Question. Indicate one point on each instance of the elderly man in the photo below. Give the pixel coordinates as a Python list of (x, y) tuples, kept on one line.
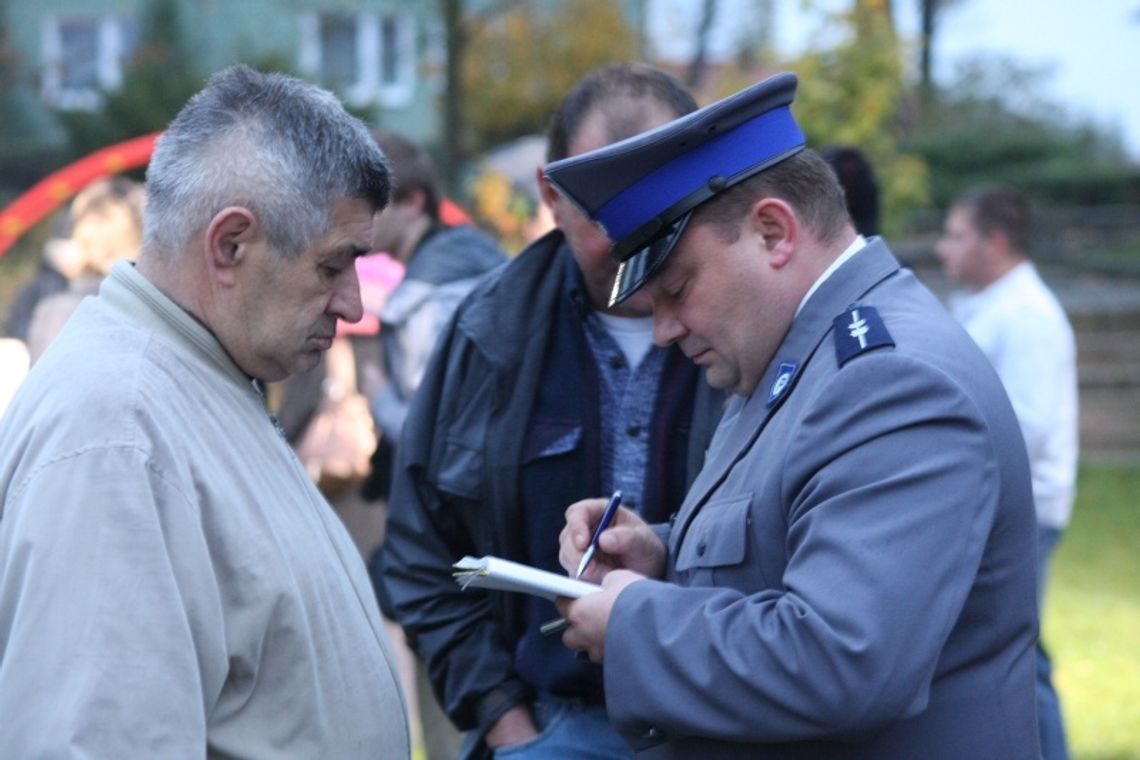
[(851, 574), (171, 582)]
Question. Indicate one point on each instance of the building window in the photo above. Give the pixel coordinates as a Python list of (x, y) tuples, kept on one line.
[(365, 57), (398, 58), (83, 57), (339, 54)]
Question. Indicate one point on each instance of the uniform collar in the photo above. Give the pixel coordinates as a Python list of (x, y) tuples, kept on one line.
[(858, 244)]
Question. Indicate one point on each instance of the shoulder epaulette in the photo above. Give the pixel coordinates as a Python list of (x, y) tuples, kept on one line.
[(858, 330)]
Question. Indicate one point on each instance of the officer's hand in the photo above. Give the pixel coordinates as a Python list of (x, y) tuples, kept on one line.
[(589, 615), (628, 543)]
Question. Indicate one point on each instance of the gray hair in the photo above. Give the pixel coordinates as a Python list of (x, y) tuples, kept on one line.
[(281, 147)]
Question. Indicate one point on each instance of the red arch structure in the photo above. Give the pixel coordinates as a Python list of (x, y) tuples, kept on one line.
[(58, 187)]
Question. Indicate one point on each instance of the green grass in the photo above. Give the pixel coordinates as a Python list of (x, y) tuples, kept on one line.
[(1092, 617)]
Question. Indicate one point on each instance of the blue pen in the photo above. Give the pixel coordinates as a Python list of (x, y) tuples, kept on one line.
[(607, 517)]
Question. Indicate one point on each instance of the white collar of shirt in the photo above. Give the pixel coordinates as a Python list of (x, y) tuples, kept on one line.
[(858, 244)]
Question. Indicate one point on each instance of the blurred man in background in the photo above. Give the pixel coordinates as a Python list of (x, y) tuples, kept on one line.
[(1022, 328), (104, 226)]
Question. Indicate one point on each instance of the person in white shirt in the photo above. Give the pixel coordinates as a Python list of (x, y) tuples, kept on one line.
[(172, 584), (1021, 327)]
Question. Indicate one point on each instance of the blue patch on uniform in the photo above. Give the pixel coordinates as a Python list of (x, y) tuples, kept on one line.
[(858, 330), (784, 374)]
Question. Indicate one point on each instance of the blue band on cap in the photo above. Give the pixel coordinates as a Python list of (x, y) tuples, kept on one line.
[(728, 154)]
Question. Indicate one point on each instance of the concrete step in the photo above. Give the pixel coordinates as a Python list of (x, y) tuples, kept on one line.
[(1109, 375), (1109, 358), (1110, 424), (1107, 345)]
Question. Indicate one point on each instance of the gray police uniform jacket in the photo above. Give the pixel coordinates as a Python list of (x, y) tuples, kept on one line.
[(852, 573)]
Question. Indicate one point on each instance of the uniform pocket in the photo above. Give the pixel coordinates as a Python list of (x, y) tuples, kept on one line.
[(718, 535)]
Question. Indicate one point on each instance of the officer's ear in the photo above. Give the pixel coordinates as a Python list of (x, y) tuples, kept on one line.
[(559, 206), (774, 223), (546, 190), (228, 240)]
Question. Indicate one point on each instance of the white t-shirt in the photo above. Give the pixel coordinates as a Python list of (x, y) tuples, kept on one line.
[(1022, 329), (634, 335)]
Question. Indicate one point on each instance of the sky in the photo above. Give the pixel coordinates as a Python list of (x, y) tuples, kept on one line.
[(1090, 49)]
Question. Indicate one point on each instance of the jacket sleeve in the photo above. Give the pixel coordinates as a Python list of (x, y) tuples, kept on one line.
[(109, 613), (437, 515)]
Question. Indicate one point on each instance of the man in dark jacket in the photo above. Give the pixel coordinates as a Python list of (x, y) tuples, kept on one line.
[(538, 395)]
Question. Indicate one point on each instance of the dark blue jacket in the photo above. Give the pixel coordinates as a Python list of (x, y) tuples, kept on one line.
[(465, 484)]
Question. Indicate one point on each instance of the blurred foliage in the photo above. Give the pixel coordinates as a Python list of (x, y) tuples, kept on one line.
[(520, 57), (850, 93), (158, 80), (497, 204), (523, 59), (520, 60), (30, 142), (510, 212), (994, 125)]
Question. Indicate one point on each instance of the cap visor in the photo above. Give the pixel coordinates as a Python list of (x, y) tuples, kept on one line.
[(640, 268)]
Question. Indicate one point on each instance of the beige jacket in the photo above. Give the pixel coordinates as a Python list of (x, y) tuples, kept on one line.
[(171, 582)]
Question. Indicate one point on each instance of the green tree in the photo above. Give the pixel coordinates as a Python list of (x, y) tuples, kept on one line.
[(157, 81), (994, 124), (29, 137), (851, 92), (523, 60), (930, 13)]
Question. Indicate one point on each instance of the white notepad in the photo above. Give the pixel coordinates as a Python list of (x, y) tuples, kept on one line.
[(505, 575)]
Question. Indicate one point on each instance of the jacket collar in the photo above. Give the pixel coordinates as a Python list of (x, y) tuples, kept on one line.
[(514, 304), (128, 292)]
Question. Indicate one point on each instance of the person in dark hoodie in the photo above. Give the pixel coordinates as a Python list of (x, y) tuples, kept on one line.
[(442, 266)]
